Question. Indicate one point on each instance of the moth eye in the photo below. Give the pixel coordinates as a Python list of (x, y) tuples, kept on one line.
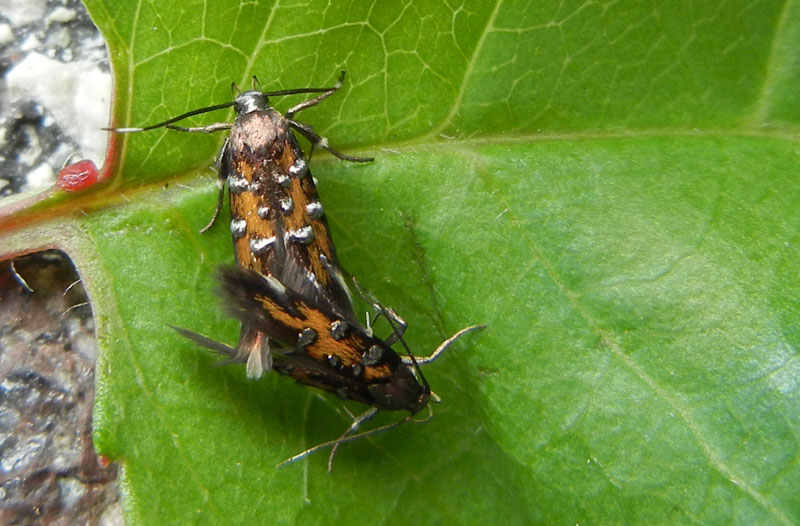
[(357, 370)]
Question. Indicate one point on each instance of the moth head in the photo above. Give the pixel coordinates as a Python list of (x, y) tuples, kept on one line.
[(250, 101), (403, 391)]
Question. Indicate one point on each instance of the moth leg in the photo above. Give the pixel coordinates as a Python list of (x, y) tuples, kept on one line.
[(316, 141), (368, 325), (211, 128), (442, 346), (398, 324), (337, 276), (349, 437), (221, 177), (360, 419), (316, 100)]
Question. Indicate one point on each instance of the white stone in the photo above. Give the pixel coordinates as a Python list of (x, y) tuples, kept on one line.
[(61, 14), (76, 94), (30, 43), (20, 12), (6, 34), (40, 177)]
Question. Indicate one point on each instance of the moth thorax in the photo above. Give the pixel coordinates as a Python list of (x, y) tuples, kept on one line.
[(250, 101)]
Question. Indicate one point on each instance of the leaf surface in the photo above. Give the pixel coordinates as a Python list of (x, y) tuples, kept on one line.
[(610, 187)]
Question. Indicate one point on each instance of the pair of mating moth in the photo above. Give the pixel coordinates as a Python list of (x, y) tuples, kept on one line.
[(287, 288)]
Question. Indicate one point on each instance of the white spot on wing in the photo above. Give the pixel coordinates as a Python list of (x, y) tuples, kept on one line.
[(259, 245), (298, 168), (315, 210), (237, 183), (301, 235), (238, 227)]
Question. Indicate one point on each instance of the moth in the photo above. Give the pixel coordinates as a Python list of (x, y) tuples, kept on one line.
[(321, 348), (287, 289), (278, 223)]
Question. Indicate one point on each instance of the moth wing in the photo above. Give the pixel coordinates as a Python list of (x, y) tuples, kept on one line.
[(311, 262), (254, 345), (278, 222), (253, 348), (264, 303), (244, 290)]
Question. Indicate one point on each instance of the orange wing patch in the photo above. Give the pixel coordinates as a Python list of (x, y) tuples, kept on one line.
[(348, 349)]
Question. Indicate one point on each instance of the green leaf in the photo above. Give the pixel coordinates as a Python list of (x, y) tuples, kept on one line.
[(612, 188)]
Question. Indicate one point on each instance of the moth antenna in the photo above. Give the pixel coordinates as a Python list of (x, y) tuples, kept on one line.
[(417, 369), (297, 91), (235, 91), (256, 85), (173, 119)]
